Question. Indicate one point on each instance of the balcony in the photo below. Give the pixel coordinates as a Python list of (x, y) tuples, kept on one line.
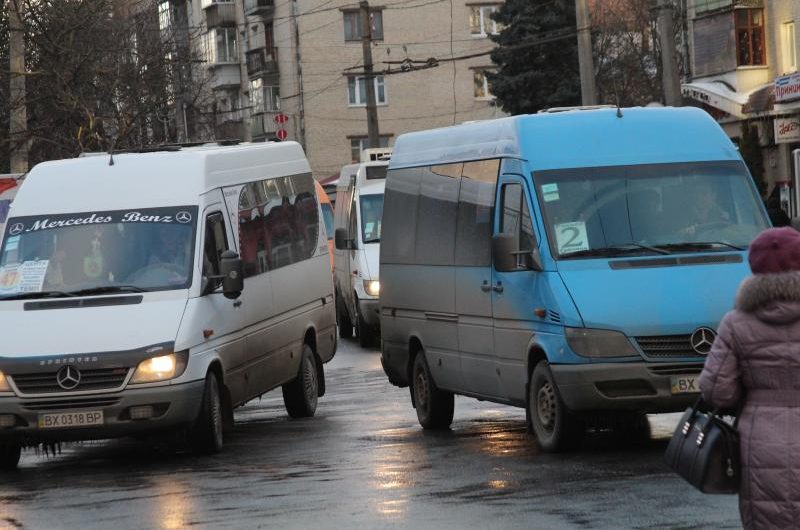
[(262, 125), (264, 8), (220, 14), (262, 61)]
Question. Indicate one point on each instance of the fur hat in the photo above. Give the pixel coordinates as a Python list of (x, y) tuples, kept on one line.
[(775, 250)]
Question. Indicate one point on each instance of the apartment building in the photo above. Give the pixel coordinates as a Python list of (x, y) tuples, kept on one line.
[(744, 69), (293, 69), (432, 55)]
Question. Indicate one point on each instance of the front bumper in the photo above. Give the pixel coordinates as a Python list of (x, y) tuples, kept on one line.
[(370, 310), (640, 386), (175, 406)]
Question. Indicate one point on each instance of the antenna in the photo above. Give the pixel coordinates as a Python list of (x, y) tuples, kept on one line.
[(111, 153), (616, 96)]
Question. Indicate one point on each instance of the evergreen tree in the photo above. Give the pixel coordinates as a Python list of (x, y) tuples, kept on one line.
[(533, 76)]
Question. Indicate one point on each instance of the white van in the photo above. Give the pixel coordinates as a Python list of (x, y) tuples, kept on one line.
[(158, 291), (357, 236)]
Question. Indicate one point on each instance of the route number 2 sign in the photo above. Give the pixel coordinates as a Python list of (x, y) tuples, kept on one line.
[(571, 237)]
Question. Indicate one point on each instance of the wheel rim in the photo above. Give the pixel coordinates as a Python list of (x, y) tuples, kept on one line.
[(546, 406), (421, 389), (309, 381)]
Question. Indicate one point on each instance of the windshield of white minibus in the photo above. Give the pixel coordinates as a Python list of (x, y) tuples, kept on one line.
[(371, 215), (85, 253), (652, 209)]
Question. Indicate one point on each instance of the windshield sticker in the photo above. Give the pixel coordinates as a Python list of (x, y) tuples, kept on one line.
[(550, 192), (571, 237), (12, 243), (27, 277), (175, 215)]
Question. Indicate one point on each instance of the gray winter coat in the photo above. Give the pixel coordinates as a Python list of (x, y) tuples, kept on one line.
[(755, 360)]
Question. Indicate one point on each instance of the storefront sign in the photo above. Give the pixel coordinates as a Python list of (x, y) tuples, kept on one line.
[(787, 87), (787, 130)]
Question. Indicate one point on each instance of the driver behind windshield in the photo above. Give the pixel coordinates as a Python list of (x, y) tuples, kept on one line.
[(705, 211)]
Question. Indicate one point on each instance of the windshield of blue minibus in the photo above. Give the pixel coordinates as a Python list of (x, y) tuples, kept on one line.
[(649, 209)]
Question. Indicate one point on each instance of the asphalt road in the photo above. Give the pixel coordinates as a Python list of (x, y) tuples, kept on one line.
[(362, 462)]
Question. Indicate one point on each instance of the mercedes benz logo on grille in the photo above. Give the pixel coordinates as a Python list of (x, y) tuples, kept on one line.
[(68, 377), (702, 339)]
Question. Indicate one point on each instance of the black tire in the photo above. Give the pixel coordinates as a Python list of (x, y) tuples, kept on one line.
[(207, 433), (300, 395), (343, 319), (366, 333), (434, 406), (9, 456), (555, 427)]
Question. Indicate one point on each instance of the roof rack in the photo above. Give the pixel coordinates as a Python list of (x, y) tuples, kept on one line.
[(163, 147), (579, 107)]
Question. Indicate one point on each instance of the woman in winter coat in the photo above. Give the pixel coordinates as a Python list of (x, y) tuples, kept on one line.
[(755, 364)]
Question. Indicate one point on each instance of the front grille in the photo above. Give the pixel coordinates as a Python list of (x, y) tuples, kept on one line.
[(85, 403), (45, 382), (666, 346)]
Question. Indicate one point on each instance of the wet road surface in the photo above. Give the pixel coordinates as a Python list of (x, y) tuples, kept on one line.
[(362, 462)]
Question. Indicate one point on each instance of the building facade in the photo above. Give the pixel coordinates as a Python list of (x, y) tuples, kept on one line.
[(293, 69), (744, 70)]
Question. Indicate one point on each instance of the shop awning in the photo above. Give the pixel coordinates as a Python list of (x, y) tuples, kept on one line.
[(760, 100)]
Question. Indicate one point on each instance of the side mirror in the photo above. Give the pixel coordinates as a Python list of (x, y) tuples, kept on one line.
[(340, 240), (232, 274), (503, 248), (508, 259)]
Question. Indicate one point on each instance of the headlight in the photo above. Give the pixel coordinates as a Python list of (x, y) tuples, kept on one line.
[(4, 386), (160, 368), (373, 287), (599, 343)]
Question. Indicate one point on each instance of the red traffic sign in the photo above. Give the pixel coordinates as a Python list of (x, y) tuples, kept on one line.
[(281, 118), (282, 134)]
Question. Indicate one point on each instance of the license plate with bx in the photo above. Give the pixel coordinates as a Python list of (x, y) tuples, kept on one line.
[(685, 384), (68, 420)]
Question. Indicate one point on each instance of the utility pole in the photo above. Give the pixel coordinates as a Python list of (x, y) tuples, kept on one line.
[(244, 83), (18, 122), (669, 63), (373, 138), (585, 61), (300, 124)]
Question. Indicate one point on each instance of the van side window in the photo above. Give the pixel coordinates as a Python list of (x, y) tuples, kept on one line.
[(278, 223), (476, 213), (215, 244), (436, 220), (400, 207), (516, 218)]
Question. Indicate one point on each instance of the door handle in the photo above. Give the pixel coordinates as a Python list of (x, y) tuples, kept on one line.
[(498, 288), (485, 287)]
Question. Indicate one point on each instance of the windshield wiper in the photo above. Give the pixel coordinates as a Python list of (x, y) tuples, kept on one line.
[(107, 289), (702, 245), (373, 240), (38, 294), (615, 250)]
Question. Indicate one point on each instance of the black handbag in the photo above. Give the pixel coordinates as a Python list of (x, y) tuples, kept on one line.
[(704, 450)]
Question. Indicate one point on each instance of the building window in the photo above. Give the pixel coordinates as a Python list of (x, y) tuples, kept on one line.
[(359, 143), (221, 46), (357, 91), (750, 37), (481, 85), (481, 23), (164, 19), (264, 98), (352, 25), (789, 52)]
